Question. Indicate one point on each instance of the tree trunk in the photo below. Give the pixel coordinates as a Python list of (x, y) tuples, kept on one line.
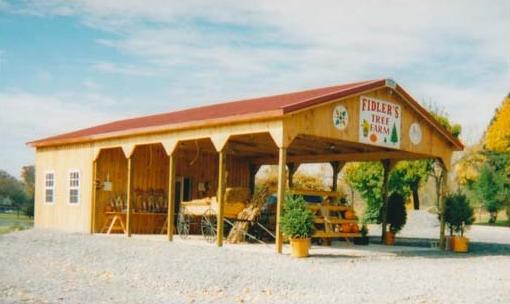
[(416, 199)]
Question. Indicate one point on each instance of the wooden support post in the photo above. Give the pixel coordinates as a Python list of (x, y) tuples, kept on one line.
[(386, 167), (253, 169), (282, 160), (93, 205), (221, 196), (337, 167), (442, 206), (171, 197), (292, 167), (128, 198)]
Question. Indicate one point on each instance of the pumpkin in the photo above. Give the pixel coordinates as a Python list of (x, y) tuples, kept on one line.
[(349, 215), (354, 228), (346, 228)]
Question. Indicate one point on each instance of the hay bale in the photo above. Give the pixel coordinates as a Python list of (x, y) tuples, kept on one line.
[(237, 194)]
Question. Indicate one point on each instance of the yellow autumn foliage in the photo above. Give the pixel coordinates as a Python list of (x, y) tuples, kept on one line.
[(468, 166), (497, 137)]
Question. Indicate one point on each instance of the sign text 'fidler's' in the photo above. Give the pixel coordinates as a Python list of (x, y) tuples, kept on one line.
[(379, 122)]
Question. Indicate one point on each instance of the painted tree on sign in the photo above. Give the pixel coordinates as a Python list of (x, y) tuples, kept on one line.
[(394, 134)]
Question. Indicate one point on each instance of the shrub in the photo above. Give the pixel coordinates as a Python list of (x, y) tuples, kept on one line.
[(397, 214), (458, 213), (297, 219)]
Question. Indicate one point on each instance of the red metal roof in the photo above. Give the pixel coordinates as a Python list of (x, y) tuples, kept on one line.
[(285, 103), (237, 110)]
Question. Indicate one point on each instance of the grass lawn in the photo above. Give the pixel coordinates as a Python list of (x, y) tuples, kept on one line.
[(11, 222)]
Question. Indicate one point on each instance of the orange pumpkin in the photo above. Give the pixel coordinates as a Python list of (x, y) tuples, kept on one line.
[(346, 228), (349, 215), (354, 228)]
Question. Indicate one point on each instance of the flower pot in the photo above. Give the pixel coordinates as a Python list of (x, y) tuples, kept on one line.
[(460, 244), (300, 247), (389, 238)]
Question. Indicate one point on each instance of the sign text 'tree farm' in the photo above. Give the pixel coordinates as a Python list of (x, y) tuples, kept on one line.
[(379, 122)]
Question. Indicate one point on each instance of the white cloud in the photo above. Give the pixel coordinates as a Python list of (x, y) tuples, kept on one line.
[(131, 70), (25, 117), (454, 53), (91, 85)]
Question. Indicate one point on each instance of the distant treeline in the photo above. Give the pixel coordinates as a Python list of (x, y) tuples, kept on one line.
[(18, 195)]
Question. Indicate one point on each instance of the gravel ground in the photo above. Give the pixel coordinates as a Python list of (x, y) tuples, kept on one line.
[(39, 266)]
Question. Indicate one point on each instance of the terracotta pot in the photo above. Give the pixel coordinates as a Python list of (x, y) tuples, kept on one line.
[(300, 247), (459, 244), (389, 238)]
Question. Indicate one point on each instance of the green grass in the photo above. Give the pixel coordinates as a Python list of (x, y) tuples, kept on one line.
[(499, 223), (11, 222)]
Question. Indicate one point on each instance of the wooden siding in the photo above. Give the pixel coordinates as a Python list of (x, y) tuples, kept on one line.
[(61, 215)]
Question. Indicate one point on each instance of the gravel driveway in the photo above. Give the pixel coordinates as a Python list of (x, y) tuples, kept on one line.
[(48, 267)]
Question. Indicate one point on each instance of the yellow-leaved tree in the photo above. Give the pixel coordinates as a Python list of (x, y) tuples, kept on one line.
[(497, 137)]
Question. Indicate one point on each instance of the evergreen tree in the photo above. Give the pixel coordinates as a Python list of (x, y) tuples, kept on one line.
[(394, 134)]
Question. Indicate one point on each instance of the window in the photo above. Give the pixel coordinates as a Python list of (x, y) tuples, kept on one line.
[(74, 187), (49, 187)]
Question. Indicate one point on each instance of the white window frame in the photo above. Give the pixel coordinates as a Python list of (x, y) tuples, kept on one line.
[(71, 187), (52, 188)]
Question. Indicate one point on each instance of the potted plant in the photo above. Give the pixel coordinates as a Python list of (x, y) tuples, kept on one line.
[(458, 216), (363, 240), (297, 224), (396, 217)]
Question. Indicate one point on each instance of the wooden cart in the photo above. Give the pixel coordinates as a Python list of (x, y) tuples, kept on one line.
[(206, 209), (239, 212)]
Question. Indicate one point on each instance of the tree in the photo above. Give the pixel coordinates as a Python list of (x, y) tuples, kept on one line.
[(13, 189), (458, 213), (367, 179), (491, 191), (28, 178), (497, 136), (394, 134), (408, 176)]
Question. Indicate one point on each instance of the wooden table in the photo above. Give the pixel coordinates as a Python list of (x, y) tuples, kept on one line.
[(141, 222)]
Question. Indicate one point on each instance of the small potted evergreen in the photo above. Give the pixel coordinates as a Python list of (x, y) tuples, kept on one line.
[(297, 224), (396, 216), (458, 216)]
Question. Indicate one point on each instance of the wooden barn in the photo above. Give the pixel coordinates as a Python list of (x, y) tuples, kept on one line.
[(133, 175)]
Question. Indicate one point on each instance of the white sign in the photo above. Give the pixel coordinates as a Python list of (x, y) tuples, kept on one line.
[(340, 117), (415, 133), (379, 122)]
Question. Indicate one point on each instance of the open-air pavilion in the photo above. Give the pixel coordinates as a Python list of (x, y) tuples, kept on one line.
[(146, 167)]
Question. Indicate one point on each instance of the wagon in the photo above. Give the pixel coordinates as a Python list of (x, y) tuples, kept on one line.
[(206, 209), (238, 212)]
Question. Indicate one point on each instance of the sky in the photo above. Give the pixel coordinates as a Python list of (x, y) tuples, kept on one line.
[(67, 64)]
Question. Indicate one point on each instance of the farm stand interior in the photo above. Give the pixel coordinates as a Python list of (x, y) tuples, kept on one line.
[(141, 175)]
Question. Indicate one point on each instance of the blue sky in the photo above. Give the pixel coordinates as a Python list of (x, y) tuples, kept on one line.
[(70, 64)]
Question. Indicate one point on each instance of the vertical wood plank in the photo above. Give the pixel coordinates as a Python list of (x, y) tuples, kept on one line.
[(292, 169), (386, 173), (171, 197), (252, 171), (337, 167), (282, 160), (220, 197), (444, 190), (93, 202), (128, 198)]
